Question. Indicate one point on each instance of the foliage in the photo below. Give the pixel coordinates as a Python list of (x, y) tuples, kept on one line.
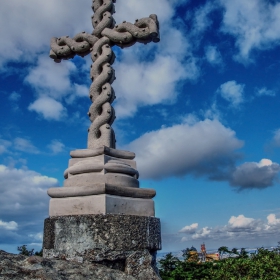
[(24, 251), (264, 265)]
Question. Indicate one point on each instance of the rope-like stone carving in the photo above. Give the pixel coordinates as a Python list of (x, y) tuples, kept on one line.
[(105, 35)]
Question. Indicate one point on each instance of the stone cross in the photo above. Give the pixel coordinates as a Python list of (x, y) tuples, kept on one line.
[(99, 44)]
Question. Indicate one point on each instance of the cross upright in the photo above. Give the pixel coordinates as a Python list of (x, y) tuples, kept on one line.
[(99, 44)]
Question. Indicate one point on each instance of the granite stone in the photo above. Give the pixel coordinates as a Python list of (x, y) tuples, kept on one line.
[(19, 267), (125, 242)]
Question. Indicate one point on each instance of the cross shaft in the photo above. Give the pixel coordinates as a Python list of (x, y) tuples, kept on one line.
[(99, 44)]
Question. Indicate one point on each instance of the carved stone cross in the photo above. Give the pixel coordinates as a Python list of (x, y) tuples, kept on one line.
[(99, 44)]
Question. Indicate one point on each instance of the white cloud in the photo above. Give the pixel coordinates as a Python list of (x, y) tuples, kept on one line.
[(25, 145), (190, 229), (148, 83), (237, 228), (272, 220), (14, 96), (232, 92), (23, 201), (201, 19), (29, 25), (4, 145), (276, 138), (255, 175), (265, 92), (204, 148), (81, 90), (51, 78), (23, 189), (49, 108), (240, 223), (255, 24), (213, 56), (133, 9), (37, 236), (56, 146), (9, 225)]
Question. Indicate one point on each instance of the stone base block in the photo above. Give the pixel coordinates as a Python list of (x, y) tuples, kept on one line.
[(123, 242), (101, 204)]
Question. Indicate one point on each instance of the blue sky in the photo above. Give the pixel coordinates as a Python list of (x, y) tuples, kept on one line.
[(200, 109)]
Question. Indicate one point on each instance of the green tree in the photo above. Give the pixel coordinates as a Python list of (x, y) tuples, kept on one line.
[(222, 250), (24, 251), (167, 265)]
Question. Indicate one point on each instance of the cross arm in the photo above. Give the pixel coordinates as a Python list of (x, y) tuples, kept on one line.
[(126, 34), (66, 47)]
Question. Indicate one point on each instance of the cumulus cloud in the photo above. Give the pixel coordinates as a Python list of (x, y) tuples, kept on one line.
[(200, 148), (38, 22), (213, 55), (190, 229), (56, 147), (203, 148), (51, 78), (23, 202), (238, 228), (25, 145), (148, 83), (258, 175), (232, 92), (254, 24), (53, 86), (8, 225), (241, 223), (49, 108), (272, 220)]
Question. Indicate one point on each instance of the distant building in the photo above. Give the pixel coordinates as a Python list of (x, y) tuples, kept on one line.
[(202, 256)]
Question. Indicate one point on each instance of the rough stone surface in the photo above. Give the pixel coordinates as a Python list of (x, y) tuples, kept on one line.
[(19, 267), (126, 243), (101, 204)]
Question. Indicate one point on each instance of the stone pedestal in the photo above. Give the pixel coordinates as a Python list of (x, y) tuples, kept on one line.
[(101, 181), (124, 242), (101, 215)]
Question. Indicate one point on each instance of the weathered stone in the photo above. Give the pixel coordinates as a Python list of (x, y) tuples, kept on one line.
[(127, 243), (103, 150), (110, 179), (100, 189), (101, 204), (19, 267)]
